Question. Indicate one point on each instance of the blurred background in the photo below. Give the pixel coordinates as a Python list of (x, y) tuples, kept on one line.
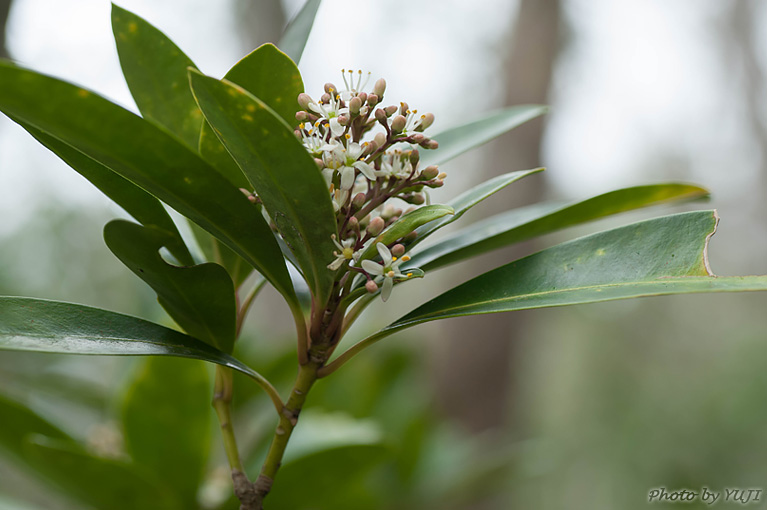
[(584, 407)]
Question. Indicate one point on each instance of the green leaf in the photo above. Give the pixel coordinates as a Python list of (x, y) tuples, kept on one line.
[(281, 171), (166, 423), (215, 251), (460, 139), (293, 40), (405, 225), (666, 255), (200, 298), (155, 70), (138, 203), (662, 256), (271, 76), (527, 222), (51, 326), (149, 157), (19, 422), (99, 482), (470, 198)]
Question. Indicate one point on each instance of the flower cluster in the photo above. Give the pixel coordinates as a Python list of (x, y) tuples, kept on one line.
[(368, 155)]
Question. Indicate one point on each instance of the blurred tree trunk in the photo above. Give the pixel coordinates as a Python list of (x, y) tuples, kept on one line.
[(260, 21), (5, 9), (474, 379)]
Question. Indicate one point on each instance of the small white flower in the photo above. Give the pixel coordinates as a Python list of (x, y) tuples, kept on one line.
[(331, 112), (313, 139), (396, 165), (346, 252), (352, 89), (346, 160), (388, 271)]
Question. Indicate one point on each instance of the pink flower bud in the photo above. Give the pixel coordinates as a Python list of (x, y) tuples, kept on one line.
[(371, 286), (414, 157), (403, 108), (430, 172), (354, 105), (380, 116), (357, 202), (390, 110), (331, 89), (426, 121), (380, 87), (302, 116), (398, 124), (430, 144), (417, 138), (376, 226), (372, 100), (303, 100), (398, 250), (380, 139)]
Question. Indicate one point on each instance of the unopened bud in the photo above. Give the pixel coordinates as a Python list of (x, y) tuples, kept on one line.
[(417, 199), (325, 98), (319, 162), (302, 116), (330, 88), (372, 99), (390, 110), (380, 139), (369, 148), (410, 237), (343, 120), (304, 99), (437, 184), (363, 96), (403, 108), (354, 105), (417, 138), (380, 87), (430, 144), (371, 286), (246, 192), (414, 157), (353, 223), (380, 116), (426, 121), (442, 175), (398, 123), (398, 250), (430, 172), (357, 202), (376, 226)]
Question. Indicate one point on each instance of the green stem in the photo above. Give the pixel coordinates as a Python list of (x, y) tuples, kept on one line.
[(307, 375), (353, 351), (222, 399)]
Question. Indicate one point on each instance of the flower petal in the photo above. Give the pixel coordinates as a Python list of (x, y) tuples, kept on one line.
[(365, 169), (385, 254), (386, 288), (372, 267), (347, 177)]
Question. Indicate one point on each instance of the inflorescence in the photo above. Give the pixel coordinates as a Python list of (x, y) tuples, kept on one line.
[(369, 180)]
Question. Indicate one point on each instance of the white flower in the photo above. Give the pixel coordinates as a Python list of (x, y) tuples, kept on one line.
[(388, 271), (352, 89), (313, 139), (346, 252), (331, 112), (346, 160), (396, 165)]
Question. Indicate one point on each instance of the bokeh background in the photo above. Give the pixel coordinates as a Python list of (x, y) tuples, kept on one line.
[(584, 407)]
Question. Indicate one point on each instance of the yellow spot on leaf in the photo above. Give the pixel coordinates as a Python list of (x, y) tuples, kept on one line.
[(600, 252), (251, 108), (83, 93), (247, 117), (132, 27)]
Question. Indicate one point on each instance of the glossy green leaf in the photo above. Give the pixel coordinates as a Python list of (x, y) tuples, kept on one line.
[(51, 326), (662, 256), (460, 139), (138, 203), (199, 298), (405, 225), (99, 482), (527, 222), (147, 156), (470, 198), (19, 422), (281, 171), (215, 251), (293, 40), (166, 423), (155, 69), (271, 76)]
